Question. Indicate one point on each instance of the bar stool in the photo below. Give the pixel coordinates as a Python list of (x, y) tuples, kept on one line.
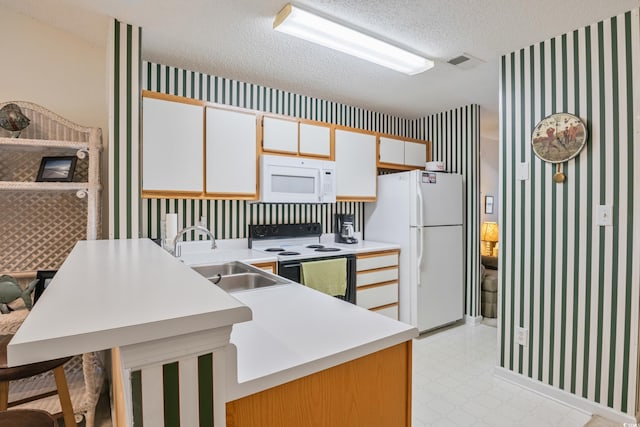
[(26, 418), (24, 371)]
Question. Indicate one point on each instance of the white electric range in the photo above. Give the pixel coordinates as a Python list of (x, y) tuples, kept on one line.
[(294, 244)]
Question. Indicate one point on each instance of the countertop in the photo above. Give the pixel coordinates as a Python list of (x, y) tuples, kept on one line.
[(200, 252), (297, 331), (362, 246), (111, 293)]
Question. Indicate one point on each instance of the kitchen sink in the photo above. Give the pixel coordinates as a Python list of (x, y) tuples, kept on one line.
[(212, 271), (244, 281), (236, 276)]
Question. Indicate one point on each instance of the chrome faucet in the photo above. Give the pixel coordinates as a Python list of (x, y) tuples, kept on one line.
[(199, 228)]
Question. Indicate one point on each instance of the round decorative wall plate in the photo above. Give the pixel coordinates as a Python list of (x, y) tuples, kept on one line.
[(559, 137)]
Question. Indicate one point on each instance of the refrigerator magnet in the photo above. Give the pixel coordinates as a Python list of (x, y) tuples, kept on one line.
[(429, 178)]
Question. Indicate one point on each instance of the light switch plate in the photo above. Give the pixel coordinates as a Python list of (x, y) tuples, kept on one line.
[(604, 215), (522, 171), (522, 336)]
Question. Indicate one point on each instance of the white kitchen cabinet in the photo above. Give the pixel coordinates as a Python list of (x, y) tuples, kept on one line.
[(315, 140), (231, 153), (279, 135), (377, 282), (172, 141), (391, 151), (389, 311), (405, 154), (415, 154), (356, 169)]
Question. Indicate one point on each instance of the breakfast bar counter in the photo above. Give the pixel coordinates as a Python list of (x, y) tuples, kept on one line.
[(113, 293), (171, 329)]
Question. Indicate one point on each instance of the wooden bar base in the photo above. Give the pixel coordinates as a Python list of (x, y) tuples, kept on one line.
[(374, 390)]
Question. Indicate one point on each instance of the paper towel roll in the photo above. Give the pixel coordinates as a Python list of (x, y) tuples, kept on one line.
[(171, 226)]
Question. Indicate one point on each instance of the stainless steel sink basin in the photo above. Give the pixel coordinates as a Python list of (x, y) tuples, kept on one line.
[(236, 276), (244, 281), (212, 271)]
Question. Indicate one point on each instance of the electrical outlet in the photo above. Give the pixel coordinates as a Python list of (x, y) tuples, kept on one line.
[(522, 336)]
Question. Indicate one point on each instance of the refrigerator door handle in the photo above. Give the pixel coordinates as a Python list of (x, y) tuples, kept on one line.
[(420, 208), (420, 253)]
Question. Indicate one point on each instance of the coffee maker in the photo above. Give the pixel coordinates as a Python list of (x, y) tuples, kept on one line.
[(344, 229)]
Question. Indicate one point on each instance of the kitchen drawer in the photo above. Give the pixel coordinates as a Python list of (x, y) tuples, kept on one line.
[(377, 276), (377, 296), (391, 311), (373, 262)]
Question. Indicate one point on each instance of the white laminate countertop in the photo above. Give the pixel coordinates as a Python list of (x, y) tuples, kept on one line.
[(362, 246), (111, 293), (200, 252), (297, 331)]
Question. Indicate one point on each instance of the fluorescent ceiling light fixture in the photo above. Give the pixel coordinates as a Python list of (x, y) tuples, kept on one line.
[(305, 25)]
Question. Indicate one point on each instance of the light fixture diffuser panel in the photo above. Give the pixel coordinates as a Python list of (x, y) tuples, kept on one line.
[(313, 28)]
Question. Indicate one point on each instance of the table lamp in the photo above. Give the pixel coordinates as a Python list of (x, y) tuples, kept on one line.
[(489, 237)]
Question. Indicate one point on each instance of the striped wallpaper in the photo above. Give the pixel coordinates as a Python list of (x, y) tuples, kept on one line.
[(175, 394), (455, 137), (573, 284), (229, 218), (124, 130)]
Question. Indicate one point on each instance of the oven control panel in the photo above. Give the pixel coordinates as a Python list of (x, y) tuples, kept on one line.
[(283, 231)]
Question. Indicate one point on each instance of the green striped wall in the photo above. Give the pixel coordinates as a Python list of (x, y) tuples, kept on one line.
[(455, 137), (124, 124), (573, 284), (174, 394), (229, 218)]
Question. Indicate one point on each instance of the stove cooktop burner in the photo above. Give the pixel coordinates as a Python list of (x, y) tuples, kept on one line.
[(274, 250), (315, 246), (289, 253), (323, 249)]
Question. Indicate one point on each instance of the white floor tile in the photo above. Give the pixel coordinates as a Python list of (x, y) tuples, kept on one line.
[(454, 385)]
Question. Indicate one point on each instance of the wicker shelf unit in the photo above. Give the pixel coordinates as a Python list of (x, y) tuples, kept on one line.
[(41, 222)]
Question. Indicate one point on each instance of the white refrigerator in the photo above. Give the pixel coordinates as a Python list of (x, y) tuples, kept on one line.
[(423, 212)]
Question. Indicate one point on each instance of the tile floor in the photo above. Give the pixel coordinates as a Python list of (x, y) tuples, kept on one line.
[(454, 385)]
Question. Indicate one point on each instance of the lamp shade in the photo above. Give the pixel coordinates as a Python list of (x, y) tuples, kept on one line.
[(489, 232)]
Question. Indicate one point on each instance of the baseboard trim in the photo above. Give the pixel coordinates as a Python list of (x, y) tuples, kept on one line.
[(563, 397), (472, 320)]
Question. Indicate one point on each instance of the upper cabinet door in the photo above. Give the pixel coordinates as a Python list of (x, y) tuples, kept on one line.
[(231, 153), (356, 170), (391, 151), (279, 135), (415, 154), (172, 146), (315, 140)]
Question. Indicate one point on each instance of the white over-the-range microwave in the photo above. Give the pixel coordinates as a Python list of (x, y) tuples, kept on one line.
[(285, 179)]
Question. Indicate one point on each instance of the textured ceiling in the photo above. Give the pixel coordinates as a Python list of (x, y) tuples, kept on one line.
[(234, 39)]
